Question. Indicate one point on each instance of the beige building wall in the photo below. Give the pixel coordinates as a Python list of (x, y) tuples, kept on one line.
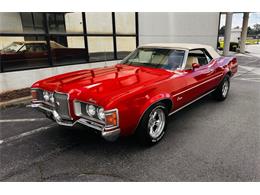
[(179, 27)]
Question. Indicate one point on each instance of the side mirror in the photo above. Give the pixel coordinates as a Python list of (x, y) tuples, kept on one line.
[(195, 65)]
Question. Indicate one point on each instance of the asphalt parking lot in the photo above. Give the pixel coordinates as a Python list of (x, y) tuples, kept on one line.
[(207, 141)]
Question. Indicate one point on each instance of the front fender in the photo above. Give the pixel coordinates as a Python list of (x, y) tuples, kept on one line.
[(131, 115), (153, 100)]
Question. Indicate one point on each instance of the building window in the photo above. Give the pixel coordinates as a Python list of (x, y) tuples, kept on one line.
[(67, 50), (38, 40), (56, 22), (100, 48), (125, 23), (73, 22), (125, 33), (32, 22), (99, 23), (125, 45), (19, 54)]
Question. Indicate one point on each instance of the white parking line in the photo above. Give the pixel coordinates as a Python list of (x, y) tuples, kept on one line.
[(16, 137), (22, 120)]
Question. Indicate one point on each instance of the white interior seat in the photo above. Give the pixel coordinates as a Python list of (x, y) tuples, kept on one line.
[(190, 61)]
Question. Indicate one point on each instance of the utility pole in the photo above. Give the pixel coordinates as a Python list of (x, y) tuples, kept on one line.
[(244, 32), (227, 35)]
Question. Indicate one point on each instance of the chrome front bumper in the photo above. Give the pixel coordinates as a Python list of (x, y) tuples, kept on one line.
[(110, 135)]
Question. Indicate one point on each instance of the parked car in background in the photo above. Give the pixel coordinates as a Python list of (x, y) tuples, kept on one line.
[(33, 54), (137, 95), (233, 46)]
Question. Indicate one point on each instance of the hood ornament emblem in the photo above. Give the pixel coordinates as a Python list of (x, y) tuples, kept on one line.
[(91, 100)]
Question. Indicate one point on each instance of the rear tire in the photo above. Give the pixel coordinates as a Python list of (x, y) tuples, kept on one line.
[(222, 89), (153, 125)]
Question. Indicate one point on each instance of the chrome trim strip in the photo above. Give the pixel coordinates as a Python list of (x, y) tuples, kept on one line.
[(198, 85), (44, 108), (77, 106), (108, 133), (65, 124), (43, 102), (52, 105), (90, 124), (69, 123), (185, 58), (117, 117), (111, 135), (35, 90), (84, 121), (191, 102)]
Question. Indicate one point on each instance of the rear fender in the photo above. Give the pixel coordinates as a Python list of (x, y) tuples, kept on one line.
[(233, 66), (230, 65)]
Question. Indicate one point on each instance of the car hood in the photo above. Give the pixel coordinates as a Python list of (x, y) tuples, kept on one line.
[(104, 84)]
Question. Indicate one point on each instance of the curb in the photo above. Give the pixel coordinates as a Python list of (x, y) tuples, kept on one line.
[(15, 102)]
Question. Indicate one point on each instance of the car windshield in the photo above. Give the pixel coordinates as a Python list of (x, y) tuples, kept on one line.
[(13, 47), (169, 59)]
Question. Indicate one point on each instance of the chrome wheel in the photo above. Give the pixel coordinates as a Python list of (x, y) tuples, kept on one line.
[(156, 122), (225, 87)]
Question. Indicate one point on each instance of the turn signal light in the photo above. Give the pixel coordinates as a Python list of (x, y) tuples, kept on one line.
[(111, 119), (34, 94)]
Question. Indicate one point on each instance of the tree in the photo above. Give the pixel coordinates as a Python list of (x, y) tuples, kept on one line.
[(250, 31), (257, 29)]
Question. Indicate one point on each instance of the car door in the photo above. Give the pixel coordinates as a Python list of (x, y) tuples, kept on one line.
[(198, 80)]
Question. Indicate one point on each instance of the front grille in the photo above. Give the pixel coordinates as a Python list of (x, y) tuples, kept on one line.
[(62, 105)]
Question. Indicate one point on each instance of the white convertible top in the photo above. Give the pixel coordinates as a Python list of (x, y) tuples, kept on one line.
[(186, 46)]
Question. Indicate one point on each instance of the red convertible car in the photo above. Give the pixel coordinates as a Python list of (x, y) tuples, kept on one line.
[(137, 95)]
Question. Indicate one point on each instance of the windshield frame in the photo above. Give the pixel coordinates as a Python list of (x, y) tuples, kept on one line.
[(5, 49), (182, 66)]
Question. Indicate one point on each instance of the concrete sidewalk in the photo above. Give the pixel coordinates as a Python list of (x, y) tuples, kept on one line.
[(253, 50), (16, 102)]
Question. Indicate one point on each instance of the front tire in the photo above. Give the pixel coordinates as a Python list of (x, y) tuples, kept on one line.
[(153, 125), (222, 90)]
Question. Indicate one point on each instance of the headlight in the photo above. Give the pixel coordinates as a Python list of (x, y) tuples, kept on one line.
[(52, 98), (91, 110), (101, 114), (46, 96)]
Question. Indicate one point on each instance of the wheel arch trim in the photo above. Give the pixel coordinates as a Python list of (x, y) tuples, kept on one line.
[(150, 105)]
